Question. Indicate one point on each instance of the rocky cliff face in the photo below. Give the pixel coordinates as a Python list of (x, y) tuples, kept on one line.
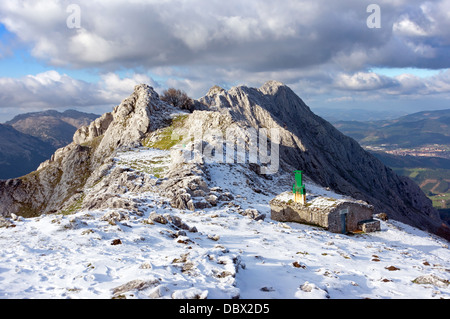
[(84, 174), (59, 183)]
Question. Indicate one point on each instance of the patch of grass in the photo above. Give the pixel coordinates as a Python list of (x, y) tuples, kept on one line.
[(166, 138), (74, 207), (94, 143), (433, 182)]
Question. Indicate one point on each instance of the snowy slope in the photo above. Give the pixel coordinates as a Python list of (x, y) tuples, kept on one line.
[(227, 255)]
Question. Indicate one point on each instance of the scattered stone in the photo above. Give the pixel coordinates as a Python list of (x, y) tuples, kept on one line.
[(191, 293), (190, 205), (312, 289), (145, 265), (217, 189), (212, 199), (214, 237), (296, 264), (180, 233), (135, 285), (193, 229), (267, 289), (431, 280), (176, 221), (116, 242), (114, 217), (182, 259), (392, 268), (226, 197), (307, 287), (189, 265), (181, 201), (382, 216), (253, 214), (203, 204), (87, 232), (158, 218), (4, 223), (159, 292)]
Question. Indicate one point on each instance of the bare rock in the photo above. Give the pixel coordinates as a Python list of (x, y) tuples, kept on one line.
[(158, 218), (114, 217), (116, 242), (4, 223), (431, 280), (176, 221), (253, 214), (212, 200), (137, 284)]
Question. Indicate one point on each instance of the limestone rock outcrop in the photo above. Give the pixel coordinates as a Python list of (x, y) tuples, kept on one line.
[(59, 183)]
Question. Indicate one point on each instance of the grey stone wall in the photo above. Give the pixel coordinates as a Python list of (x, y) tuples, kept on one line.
[(284, 212), (327, 217)]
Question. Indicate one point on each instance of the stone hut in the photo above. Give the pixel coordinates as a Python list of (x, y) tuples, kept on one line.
[(335, 215)]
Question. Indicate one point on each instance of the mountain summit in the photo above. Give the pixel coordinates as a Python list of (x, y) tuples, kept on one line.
[(327, 157), (85, 174)]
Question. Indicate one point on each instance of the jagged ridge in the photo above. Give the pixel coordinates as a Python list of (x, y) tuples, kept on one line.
[(308, 142), (328, 157)]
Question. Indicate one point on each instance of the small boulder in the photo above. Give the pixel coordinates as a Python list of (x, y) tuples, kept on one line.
[(212, 199), (253, 214), (4, 223), (116, 242), (135, 285), (431, 280), (158, 218)]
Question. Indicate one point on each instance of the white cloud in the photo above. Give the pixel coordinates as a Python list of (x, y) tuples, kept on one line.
[(52, 90), (319, 48), (258, 35), (112, 87), (409, 28), (401, 85), (362, 81)]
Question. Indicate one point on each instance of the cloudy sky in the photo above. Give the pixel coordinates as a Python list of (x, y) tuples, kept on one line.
[(88, 55)]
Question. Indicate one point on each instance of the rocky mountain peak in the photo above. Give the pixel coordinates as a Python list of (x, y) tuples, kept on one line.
[(127, 124), (271, 87), (215, 90), (306, 142)]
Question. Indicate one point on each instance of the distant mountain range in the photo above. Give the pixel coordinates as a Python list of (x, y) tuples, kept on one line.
[(414, 130), (352, 114), (20, 153), (52, 126), (29, 139), (425, 135)]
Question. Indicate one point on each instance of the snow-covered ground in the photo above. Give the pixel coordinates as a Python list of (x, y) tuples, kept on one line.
[(230, 255)]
